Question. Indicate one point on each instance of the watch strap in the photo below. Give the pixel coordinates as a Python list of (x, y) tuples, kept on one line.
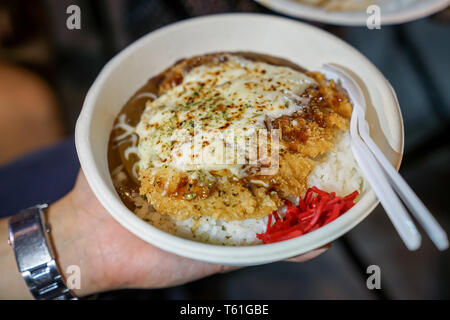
[(29, 238)]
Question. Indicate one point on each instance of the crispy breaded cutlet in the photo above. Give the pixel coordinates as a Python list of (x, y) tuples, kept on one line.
[(305, 136)]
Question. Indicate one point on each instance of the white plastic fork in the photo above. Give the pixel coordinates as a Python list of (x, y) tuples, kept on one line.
[(382, 176)]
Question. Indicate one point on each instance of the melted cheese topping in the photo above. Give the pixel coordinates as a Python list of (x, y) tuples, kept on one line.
[(192, 126)]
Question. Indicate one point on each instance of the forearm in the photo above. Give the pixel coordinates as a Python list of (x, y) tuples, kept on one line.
[(12, 284)]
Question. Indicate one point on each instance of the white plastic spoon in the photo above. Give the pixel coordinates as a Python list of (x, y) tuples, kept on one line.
[(414, 204), (380, 185)]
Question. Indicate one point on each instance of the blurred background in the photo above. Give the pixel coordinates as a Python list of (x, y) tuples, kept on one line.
[(46, 70)]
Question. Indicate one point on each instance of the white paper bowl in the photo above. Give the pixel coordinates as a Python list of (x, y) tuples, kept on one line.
[(307, 46), (392, 12)]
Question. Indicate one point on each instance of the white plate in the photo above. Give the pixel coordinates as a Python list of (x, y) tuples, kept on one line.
[(301, 43), (392, 11)]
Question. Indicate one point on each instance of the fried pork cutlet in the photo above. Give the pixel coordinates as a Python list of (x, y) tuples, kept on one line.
[(221, 93)]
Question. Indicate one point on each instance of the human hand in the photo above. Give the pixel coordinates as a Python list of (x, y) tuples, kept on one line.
[(110, 257)]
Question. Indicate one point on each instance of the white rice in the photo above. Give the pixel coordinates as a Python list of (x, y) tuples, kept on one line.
[(337, 171)]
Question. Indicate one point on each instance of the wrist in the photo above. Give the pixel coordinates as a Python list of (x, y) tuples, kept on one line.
[(73, 248)]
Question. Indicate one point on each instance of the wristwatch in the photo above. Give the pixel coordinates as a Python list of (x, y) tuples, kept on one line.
[(30, 240)]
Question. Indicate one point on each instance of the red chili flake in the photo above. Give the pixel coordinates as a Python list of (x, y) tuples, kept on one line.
[(316, 209)]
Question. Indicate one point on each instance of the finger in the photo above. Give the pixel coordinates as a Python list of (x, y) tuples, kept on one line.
[(310, 255), (226, 269)]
